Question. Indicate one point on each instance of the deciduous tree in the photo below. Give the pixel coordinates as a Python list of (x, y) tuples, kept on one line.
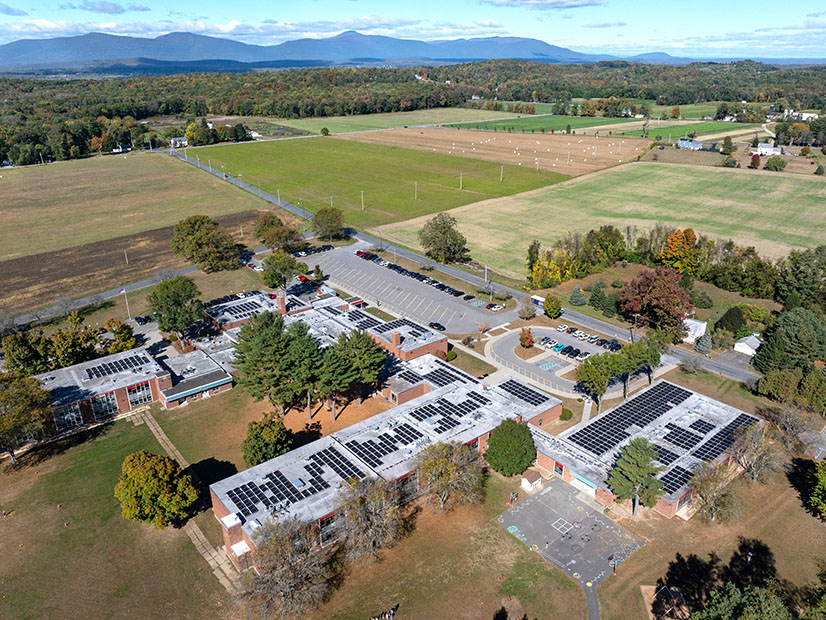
[(552, 306), (750, 603), (266, 439), (200, 240), (711, 485), (526, 337), (510, 448), (755, 452), (633, 476), (280, 268), (452, 472), (328, 223), (594, 374), (372, 516), (775, 163), (277, 235), (527, 309), (153, 489), (175, 304), (442, 240), (659, 300), (24, 409), (680, 251), (28, 352)]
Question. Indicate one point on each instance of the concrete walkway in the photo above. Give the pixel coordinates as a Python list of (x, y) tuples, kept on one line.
[(218, 561)]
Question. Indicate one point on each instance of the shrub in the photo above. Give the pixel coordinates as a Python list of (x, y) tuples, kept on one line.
[(691, 365), (451, 355), (566, 414), (510, 448), (775, 163), (733, 320), (722, 339), (617, 283), (820, 171)]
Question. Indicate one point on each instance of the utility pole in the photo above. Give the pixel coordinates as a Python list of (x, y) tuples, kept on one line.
[(331, 202), (633, 327), (259, 188), (278, 191), (501, 173), (415, 190), (209, 163), (126, 257), (460, 180)]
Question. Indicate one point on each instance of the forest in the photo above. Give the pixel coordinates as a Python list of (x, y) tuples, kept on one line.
[(45, 120)]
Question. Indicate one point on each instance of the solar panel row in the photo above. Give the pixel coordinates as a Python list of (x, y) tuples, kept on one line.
[(664, 455), (444, 413), (373, 452), (722, 439), (702, 427), (523, 393), (674, 478), (398, 324), (682, 438), (114, 367)]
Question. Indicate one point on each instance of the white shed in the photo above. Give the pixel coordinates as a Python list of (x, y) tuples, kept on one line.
[(531, 480), (695, 329), (748, 345)]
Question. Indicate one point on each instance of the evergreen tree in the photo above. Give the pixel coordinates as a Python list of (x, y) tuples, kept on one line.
[(510, 448), (609, 305), (577, 298), (633, 476), (261, 357), (597, 299), (367, 358), (797, 338), (731, 603), (703, 344), (337, 373), (305, 361)]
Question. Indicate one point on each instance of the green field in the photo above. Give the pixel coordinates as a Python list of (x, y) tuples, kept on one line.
[(312, 170), (389, 120), (100, 565), (66, 204), (548, 123), (703, 129), (771, 212), (689, 110)]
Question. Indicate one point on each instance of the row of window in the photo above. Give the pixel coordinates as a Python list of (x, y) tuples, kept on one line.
[(103, 406)]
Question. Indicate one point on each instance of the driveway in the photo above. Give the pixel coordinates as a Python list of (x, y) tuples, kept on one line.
[(572, 534), (400, 294)]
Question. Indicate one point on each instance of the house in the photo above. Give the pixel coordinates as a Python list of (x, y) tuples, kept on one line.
[(748, 345), (695, 330), (689, 144), (178, 143), (122, 148), (766, 149)]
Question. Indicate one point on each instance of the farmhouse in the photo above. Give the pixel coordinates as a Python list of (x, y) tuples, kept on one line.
[(178, 143), (685, 427), (748, 345), (305, 484), (766, 149)]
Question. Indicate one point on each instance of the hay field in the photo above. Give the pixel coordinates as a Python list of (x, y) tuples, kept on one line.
[(389, 120), (772, 212), (551, 152), (311, 171), (46, 208), (709, 128), (546, 123)]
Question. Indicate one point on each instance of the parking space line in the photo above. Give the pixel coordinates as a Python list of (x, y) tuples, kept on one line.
[(419, 304), (424, 312), (451, 317), (442, 314), (405, 298)]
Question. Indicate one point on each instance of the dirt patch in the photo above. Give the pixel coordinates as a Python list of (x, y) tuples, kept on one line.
[(565, 154), (527, 354)]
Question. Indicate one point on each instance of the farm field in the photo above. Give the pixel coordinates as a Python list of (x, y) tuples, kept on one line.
[(546, 123), (549, 152), (311, 171), (708, 128), (689, 110), (717, 202), (742, 154), (389, 120), (100, 565), (71, 203)]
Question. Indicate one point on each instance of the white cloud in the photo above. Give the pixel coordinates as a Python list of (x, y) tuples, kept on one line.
[(5, 9), (488, 23), (544, 5), (605, 25)]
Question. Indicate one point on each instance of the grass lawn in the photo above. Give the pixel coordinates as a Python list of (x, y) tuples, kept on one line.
[(703, 129), (538, 123), (716, 202), (389, 120), (377, 312), (451, 565), (76, 202), (472, 364), (311, 171), (101, 565)]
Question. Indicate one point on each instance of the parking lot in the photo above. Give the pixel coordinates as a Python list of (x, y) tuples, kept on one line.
[(402, 294)]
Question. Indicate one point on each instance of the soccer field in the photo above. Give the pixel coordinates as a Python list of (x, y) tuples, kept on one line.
[(313, 172), (389, 120), (45, 208), (772, 212), (548, 123)]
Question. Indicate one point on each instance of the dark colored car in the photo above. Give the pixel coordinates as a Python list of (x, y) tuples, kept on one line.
[(457, 293), (600, 342), (437, 326), (615, 347), (566, 350), (574, 353), (139, 320), (609, 344), (571, 330), (440, 287), (469, 297)]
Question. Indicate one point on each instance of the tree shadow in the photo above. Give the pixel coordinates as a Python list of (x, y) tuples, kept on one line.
[(694, 576), (338, 567), (408, 524), (501, 614), (799, 474), (40, 454), (752, 564), (212, 470), (308, 434)]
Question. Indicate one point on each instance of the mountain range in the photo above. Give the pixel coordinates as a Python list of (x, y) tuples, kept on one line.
[(184, 51)]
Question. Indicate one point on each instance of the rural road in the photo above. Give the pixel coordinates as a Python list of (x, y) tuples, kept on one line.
[(723, 368)]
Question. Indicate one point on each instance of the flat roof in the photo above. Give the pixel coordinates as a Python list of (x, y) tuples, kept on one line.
[(685, 427), (385, 445), (242, 309), (100, 376), (192, 373)]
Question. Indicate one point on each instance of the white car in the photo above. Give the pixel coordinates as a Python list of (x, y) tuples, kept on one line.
[(562, 328), (550, 344), (582, 356)]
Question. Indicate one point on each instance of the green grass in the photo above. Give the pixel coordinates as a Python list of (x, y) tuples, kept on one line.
[(312, 170), (538, 123), (472, 364), (690, 110), (70, 203), (716, 202), (389, 120), (702, 129), (101, 565)]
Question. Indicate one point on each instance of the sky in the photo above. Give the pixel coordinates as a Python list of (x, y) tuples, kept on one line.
[(699, 29)]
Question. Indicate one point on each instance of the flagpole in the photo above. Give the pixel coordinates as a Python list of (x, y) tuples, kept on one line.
[(126, 299)]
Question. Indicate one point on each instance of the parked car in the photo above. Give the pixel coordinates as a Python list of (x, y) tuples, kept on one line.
[(615, 347), (593, 339), (566, 350), (583, 356), (562, 328), (551, 344), (574, 353), (139, 320), (437, 326), (543, 341), (609, 344), (469, 297), (600, 342), (559, 347), (572, 330)]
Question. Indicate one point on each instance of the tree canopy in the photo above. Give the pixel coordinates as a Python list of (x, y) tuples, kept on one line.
[(277, 235), (175, 304), (797, 338), (201, 241), (372, 515), (153, 488), (280, 268), (659, 300), (442, 240), (510, 448), (28, 351), (328, 223), (24, 408), (750, 603), (266, 439), (452, 472), (633, 475)]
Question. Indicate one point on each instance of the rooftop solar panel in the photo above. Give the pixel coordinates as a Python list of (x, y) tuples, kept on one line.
[(674, 478), (682, 438), (720, 441), (524, 393), (664, 455), (106, 369), (702, 427)]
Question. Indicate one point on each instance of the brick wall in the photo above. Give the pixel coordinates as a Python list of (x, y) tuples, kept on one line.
[(438, 348), (547, 416)]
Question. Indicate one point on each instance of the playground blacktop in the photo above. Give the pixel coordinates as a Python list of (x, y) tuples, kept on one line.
[(572, 534)]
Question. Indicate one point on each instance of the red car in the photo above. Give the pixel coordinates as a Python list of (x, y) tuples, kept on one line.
[(302, 278)]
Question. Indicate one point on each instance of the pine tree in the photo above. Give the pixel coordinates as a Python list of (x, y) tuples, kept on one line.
[(305, 361), (577, 298), (633, 476), (609, 305), (597, 297), (262, 358), (703, 344), (367, 358), (337, 374)]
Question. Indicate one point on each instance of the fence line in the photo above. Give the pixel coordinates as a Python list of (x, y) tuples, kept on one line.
[(527, 373)]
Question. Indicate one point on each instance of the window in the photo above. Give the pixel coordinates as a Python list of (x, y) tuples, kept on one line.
[(557, 469), (139, 394), (684, 500), (408, 486), (393, 397), (104, 405), (331, 527), (474, 444), (67, 416), (540, 422)]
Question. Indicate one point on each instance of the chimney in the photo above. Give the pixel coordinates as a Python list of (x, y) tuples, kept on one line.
[(282, 304), (397, 339)]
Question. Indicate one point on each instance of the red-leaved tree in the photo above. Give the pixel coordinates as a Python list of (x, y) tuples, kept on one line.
[(659, 300)]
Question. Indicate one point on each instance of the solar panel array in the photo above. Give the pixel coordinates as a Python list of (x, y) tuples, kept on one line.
[(523, 392), (443, 413), (277, 490), (611, 429), (460, 377), (664, 455), (410, 376), (242, 310), (674, 478), (681, 437), (116, 366), (373, 452), (330, 310), (362, 320), (723, 438), (702, 427), (416, 329)]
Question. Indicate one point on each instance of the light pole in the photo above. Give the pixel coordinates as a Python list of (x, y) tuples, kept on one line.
[(634, 326)]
